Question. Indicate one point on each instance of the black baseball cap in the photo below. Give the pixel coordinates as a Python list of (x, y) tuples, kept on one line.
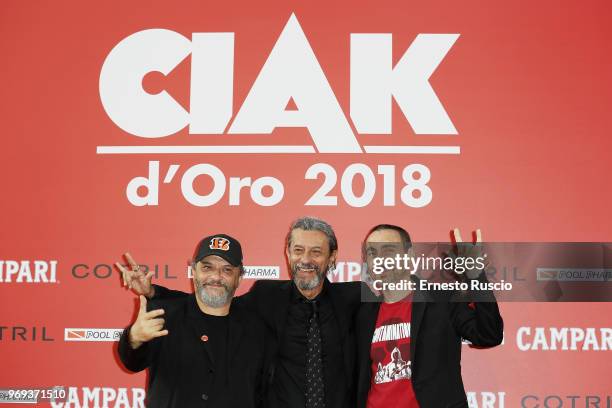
[(221, 245)]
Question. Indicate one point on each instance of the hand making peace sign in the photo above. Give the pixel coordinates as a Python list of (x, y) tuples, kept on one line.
[(469, 250)]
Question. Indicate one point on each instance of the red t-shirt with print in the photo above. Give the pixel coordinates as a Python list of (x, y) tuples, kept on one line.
[(390, 353)]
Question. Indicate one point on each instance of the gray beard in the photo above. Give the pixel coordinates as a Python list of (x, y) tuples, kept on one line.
[(214, 300), (304, 284), (307, 285)]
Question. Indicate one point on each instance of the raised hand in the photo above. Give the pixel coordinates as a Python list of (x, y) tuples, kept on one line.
[(469, 250), (148, 325), (135, 279)]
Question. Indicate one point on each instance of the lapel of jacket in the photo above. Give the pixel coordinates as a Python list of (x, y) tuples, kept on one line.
[(340, 313), (369, 317), (236, 330), (419, 304), (367, 325), (280, 302)]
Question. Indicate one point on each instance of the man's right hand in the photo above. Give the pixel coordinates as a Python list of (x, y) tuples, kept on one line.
[(135, 279), (147, 325)]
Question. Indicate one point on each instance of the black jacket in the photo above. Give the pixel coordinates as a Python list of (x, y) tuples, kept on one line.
[(182, 366), (437, 328), (270, 300)]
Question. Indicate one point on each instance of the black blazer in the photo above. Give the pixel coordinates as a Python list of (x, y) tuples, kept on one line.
[(270, 299), (437, 327), (182, 367)]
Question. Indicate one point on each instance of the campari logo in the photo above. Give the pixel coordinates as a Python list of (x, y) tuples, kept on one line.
[(83, 397), (564, 338), (28, 271)]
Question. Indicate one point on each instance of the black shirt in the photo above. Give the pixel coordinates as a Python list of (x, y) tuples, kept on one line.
[(214, 338), (290, 375)]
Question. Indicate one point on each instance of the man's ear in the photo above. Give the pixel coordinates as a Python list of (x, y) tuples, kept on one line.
[(332, 257), (410, 252)]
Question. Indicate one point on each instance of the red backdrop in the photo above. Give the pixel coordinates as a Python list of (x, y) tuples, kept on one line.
[(527, 86)]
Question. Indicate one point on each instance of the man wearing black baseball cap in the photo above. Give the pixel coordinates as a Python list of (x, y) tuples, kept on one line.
[(206, 350), (214, 249)]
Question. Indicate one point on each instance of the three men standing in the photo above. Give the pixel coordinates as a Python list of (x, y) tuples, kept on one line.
[(321, 347)]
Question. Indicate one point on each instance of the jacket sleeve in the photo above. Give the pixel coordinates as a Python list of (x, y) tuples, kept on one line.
[(163, 293), (479, 322), (250, 298), (134, 360)]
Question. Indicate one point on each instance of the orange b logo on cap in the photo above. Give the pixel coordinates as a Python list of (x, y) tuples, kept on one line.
[(222, 244)]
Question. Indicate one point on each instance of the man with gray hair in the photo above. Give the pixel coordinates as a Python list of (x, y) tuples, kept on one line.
[(311, 345)]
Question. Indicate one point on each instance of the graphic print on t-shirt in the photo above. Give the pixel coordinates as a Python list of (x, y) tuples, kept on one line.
[(392, 355), (391, 361)]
